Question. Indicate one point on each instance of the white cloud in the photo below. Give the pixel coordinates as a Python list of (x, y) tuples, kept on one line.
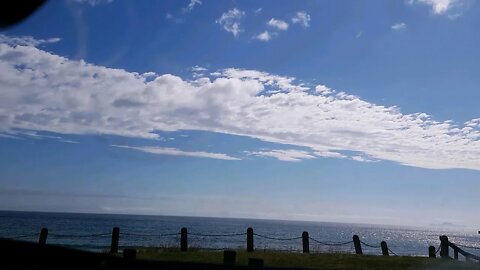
[(438, 6), (26, 40), (230, 21), (362, 159), (264, 36), (42, 91), (177, 152), (257, 11), (171, 17), (192, 4), (279, 24), (291, 155), (302, 18), (399, 26), (323, 90), (198, 71), (92, 2), (149, 74), (198, 68)]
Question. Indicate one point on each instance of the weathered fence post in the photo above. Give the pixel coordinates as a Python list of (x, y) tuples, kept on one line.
[(444, 247), (255, 263), (229, 257), (115, 238), (249, 240), (130, 254), (42, 240), (455, 254), (183, 239), (431, 252), (305, 242), (358, 246), (384, 246)]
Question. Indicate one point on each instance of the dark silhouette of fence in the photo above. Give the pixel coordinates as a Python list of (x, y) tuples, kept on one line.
[(250, 247), (445, 244), (184, 244), (21, 255)]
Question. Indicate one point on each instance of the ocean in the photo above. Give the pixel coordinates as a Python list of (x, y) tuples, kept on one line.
[(93, 232)]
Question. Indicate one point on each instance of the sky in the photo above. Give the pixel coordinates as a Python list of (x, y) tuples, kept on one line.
[(342, 111)]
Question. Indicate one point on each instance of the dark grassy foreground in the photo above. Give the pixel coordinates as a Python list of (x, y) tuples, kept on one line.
[(314, 261)]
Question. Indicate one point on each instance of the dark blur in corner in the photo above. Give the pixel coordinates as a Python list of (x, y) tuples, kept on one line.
[(15, 11)]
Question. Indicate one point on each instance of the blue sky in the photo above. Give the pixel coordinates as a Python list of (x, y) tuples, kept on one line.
[(350, 111)]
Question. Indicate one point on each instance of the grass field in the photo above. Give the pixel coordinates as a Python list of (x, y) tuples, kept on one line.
[(314, 261)]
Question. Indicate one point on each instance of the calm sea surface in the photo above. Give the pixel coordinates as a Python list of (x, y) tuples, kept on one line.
[(84, 231)]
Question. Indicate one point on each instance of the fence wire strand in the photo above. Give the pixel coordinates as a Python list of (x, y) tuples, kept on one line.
[(217, 235), (369, 245), (391, 251), (330, 244), (464, 246), (24, 236), (277, 238), (149, 235), (78, 235)]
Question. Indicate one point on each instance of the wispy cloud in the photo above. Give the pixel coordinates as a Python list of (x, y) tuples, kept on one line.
[(291, 155), (438, 6), (177, 152), (173, 18), (323, 89), (192, 5), (264, 36), (278, 24), (302, 18), (92, 2), (273, 108), (230, 20), (37, 135), (399, 26), (198, 71), (26, 40)]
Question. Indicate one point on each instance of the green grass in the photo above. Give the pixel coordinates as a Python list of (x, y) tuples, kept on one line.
[(313, 261)]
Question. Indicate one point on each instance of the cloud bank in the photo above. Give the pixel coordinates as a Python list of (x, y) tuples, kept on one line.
[(42, 91)]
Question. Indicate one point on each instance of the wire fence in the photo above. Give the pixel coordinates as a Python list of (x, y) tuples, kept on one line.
[(132, 237)]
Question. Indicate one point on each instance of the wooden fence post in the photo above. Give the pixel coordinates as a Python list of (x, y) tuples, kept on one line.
[(444, 247), (183, 239), (305, 242), (42, 240), (358, 246), (431, 252), (249, 240), (384, 246), (455, 254), (130, 254), (115, 238), (229, 257)]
